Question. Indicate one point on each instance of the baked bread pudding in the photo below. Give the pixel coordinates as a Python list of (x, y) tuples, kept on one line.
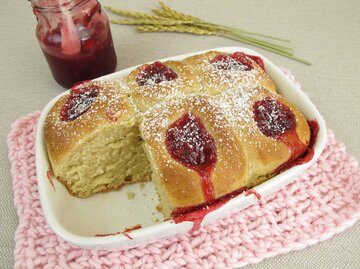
[(200, 129)]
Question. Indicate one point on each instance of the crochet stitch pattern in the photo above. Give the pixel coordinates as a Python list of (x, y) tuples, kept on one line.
[(321, 202)]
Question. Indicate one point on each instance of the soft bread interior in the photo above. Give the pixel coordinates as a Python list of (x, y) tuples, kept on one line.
[(165, 205), (105, 162)]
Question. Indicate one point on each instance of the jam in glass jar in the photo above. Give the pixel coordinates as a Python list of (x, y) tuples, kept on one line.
[(75, 38)]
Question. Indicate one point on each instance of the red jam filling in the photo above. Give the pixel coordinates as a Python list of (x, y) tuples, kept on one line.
[(79, 101), (308, 154), (237, 60), (189, 143), (155, 73), (257, 60), (273, 118)]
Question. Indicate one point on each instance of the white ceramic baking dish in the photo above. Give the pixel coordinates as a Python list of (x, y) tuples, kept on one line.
[(78, 221)]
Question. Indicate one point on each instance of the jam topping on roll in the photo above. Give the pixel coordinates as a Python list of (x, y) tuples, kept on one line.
[(189, 143), (276, 120), (273, 118), (79, 101), (155, 73), (237, 60)]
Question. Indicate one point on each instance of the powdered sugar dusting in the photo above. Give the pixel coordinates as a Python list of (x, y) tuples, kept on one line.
[(154, 73), (110, 100), (160, 115), (237, 104), (272, 117), (158, 88), (157, 120), (166, 88), (217, 76)]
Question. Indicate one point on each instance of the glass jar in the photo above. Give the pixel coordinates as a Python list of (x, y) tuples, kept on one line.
[(75, 38)]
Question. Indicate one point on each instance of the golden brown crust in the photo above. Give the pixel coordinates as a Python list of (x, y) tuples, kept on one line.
[(182, 185), (148, 95), (216, 80)]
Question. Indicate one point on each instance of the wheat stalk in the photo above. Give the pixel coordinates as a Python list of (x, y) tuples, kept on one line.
[(133, 14), (148, 22), (169, 20), (177, 29), (170, 13)]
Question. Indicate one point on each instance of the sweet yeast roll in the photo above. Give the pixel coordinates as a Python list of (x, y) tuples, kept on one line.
[(152, 83), (218, 71), (274, 131)]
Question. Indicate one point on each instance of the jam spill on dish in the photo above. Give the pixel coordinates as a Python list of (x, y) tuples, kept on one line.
[(50, 176), (125, 232)]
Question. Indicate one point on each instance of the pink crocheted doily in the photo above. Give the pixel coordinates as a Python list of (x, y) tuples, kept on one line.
[(318, 204)]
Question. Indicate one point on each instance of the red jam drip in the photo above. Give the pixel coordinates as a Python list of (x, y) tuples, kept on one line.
[(308, 154), (314, 130), (189, 143), (79, 101), (237, 60), (296, 147), (155, 73), (50, 176), (252, 191), (196, 214), (124, 232)]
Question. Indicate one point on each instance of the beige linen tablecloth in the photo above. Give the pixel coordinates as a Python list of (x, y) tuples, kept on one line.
[(324, 32)]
